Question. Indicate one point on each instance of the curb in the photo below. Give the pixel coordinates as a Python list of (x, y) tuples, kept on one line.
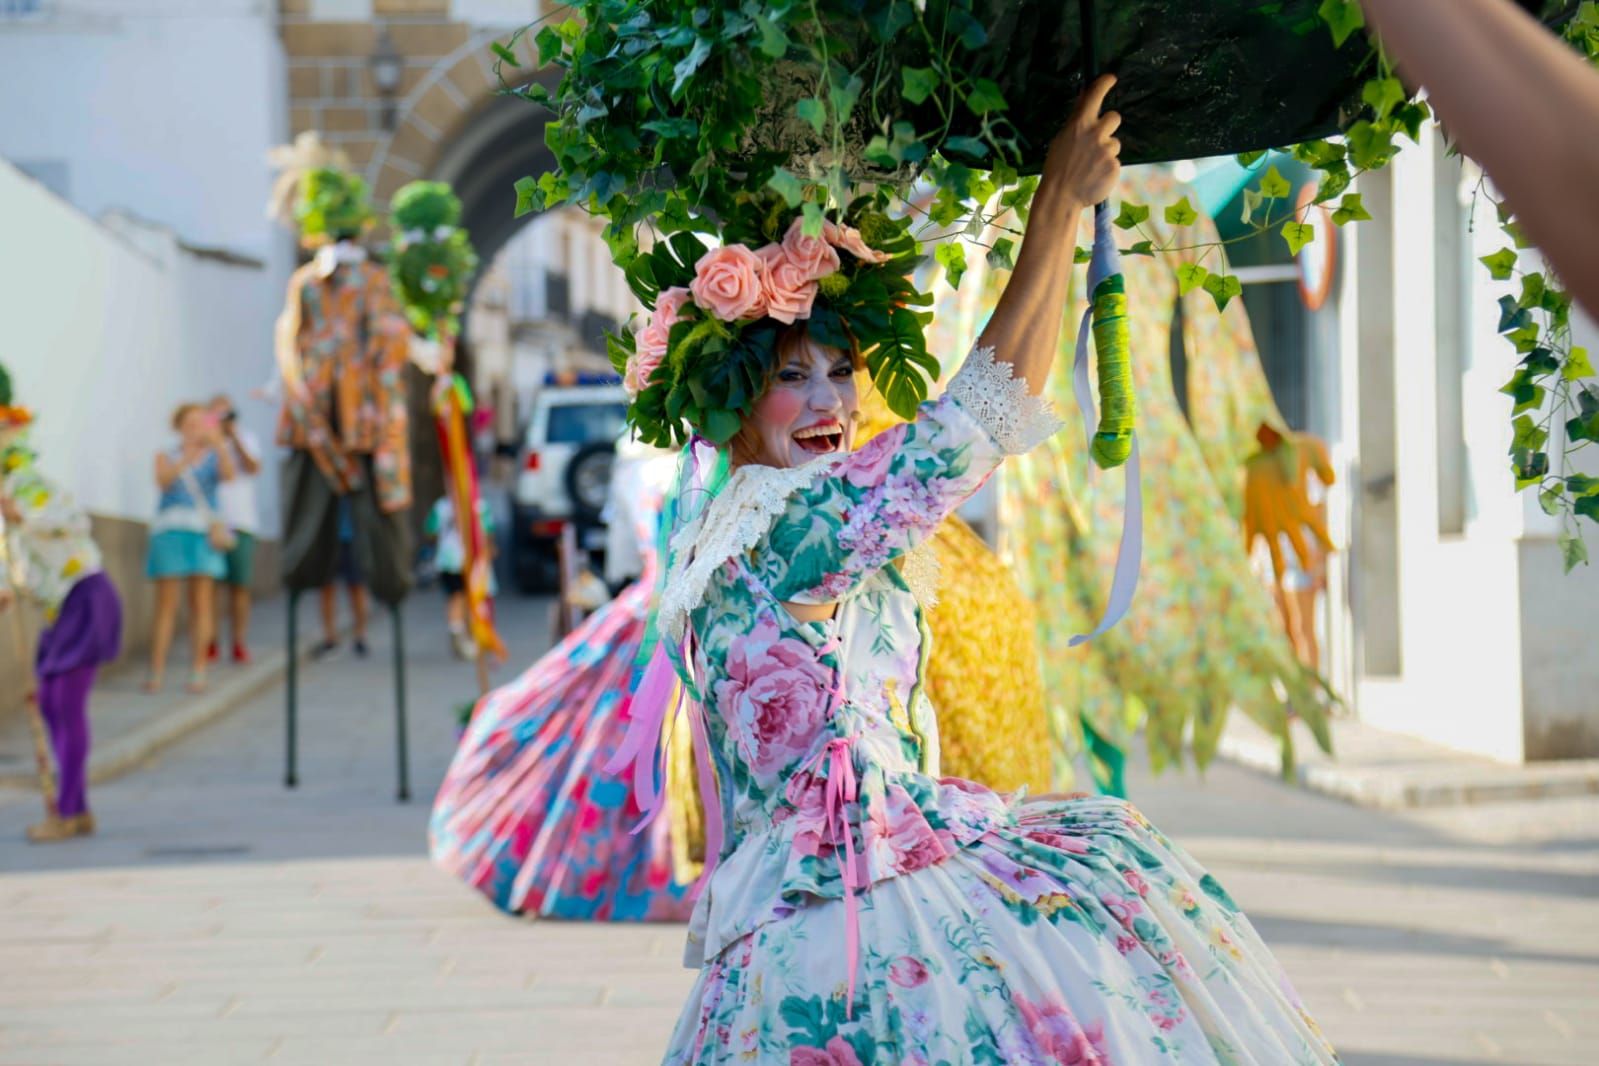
[(117, 757), (1394, 788)]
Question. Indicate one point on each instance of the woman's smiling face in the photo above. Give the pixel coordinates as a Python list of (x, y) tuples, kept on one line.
[(808, 410)]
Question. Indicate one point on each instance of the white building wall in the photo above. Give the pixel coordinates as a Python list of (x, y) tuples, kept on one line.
[(109, 327), (162, 108)]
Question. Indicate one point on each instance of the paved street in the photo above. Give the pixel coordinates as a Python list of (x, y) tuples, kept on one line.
[(220, 919)]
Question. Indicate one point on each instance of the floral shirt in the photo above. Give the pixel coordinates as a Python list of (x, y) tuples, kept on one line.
[(51, 546), (825, 748), (344, 336)]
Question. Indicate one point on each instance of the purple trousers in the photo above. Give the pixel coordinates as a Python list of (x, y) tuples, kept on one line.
[(86, 633), (64, 703)]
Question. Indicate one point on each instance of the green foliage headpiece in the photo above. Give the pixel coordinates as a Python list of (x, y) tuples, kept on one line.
[(432, 260), (333, 205)]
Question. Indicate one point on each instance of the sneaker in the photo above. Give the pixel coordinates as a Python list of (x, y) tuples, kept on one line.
[(241, 655), (360, 648), (211, 652), (325, 650), (462, 644)]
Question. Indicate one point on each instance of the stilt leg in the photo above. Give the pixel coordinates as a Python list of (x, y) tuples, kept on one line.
[(292, 708), (402, 761)]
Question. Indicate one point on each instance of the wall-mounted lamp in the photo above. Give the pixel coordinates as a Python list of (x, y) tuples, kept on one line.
[(387, 66)]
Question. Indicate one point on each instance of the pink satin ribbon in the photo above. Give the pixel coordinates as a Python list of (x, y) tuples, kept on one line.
[(655, 705), (842, 789)]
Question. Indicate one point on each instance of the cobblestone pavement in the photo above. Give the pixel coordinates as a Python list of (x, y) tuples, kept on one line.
[(221, 919)]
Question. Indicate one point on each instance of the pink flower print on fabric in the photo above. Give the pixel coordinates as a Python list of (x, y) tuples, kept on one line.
[(775, 696), (901, 840), (1055, 1032), (727, 283), (833, 587), (908, 502), (865, 535), (870, 463), (838, 1052), (813, 836), (907, 972)]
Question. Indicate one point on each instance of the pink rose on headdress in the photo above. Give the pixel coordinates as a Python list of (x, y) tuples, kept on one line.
[(727, 283), (849, 239), (789, 291), (651, 343), (812, 255)]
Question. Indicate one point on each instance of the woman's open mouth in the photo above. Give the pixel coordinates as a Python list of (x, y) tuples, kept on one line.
[(821, 438)]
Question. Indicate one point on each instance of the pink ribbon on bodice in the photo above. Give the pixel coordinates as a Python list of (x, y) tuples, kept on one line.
[(841, 788)]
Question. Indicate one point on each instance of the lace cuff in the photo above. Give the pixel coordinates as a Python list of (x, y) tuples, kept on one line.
[(1000, 403)]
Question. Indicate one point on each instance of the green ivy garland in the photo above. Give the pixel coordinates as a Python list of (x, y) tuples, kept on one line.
[(653, 131)]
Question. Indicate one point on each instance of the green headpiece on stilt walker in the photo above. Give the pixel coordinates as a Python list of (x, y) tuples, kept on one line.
[(333, 205)]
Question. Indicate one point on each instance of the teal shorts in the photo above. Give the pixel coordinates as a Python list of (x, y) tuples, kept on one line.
[(239, 564), (183, 553)]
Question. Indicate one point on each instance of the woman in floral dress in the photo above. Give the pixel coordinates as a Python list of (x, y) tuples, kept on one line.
[(865, 910)]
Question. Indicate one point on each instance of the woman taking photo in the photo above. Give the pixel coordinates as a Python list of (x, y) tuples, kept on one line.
[(188, 539)]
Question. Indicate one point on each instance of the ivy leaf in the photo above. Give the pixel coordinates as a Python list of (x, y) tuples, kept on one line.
[(1343, 17), (1003, 255), (1549, 501), (1532, 291), (971, 147), (1132, 215), (1141, 248), (689, 64), (1530, 468), (920, 83), (1526, 338), (814, 112), (1223, 288), (844, 96), (1182, 213), (1082, 255), (1500, 264), (812, 214), (787, 186), (1252, 202), (1529, 434), (1582, 485), (774, 42), (1249, 159), (1190, 276), (1517, 235), (1275, 186), (1383, 95), (527, 195), (1333, 182), (509, 57), (1370, 145), (952, 257), (1529, 401), (1512, 315), (1411, 117), (1298, 234), (1572, 550), (1577, 365), (985, 97), (1351, 209)]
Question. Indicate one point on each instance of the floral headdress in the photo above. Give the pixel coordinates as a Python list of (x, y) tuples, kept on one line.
[(432, 259), (708, 349)]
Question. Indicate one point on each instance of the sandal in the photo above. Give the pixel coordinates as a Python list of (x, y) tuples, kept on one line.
[(197, 682), (154, 683), (55, 828)]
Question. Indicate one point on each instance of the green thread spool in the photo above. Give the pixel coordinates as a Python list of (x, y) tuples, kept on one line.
[(1113, 440)]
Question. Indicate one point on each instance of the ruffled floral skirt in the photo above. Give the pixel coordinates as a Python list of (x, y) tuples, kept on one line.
[(1076, 935), (527, 814)]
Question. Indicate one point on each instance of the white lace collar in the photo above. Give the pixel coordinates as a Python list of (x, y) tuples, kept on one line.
[(733, 523)]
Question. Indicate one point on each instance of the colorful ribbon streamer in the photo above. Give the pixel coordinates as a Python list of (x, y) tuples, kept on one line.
[(452, 403)]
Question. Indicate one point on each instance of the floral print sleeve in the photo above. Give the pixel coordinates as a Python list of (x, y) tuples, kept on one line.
[(884, 499)]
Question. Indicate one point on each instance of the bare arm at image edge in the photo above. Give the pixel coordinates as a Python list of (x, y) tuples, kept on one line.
[(1521, 103)]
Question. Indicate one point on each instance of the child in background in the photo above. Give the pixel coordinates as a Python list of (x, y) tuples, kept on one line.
[(450, 558)]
